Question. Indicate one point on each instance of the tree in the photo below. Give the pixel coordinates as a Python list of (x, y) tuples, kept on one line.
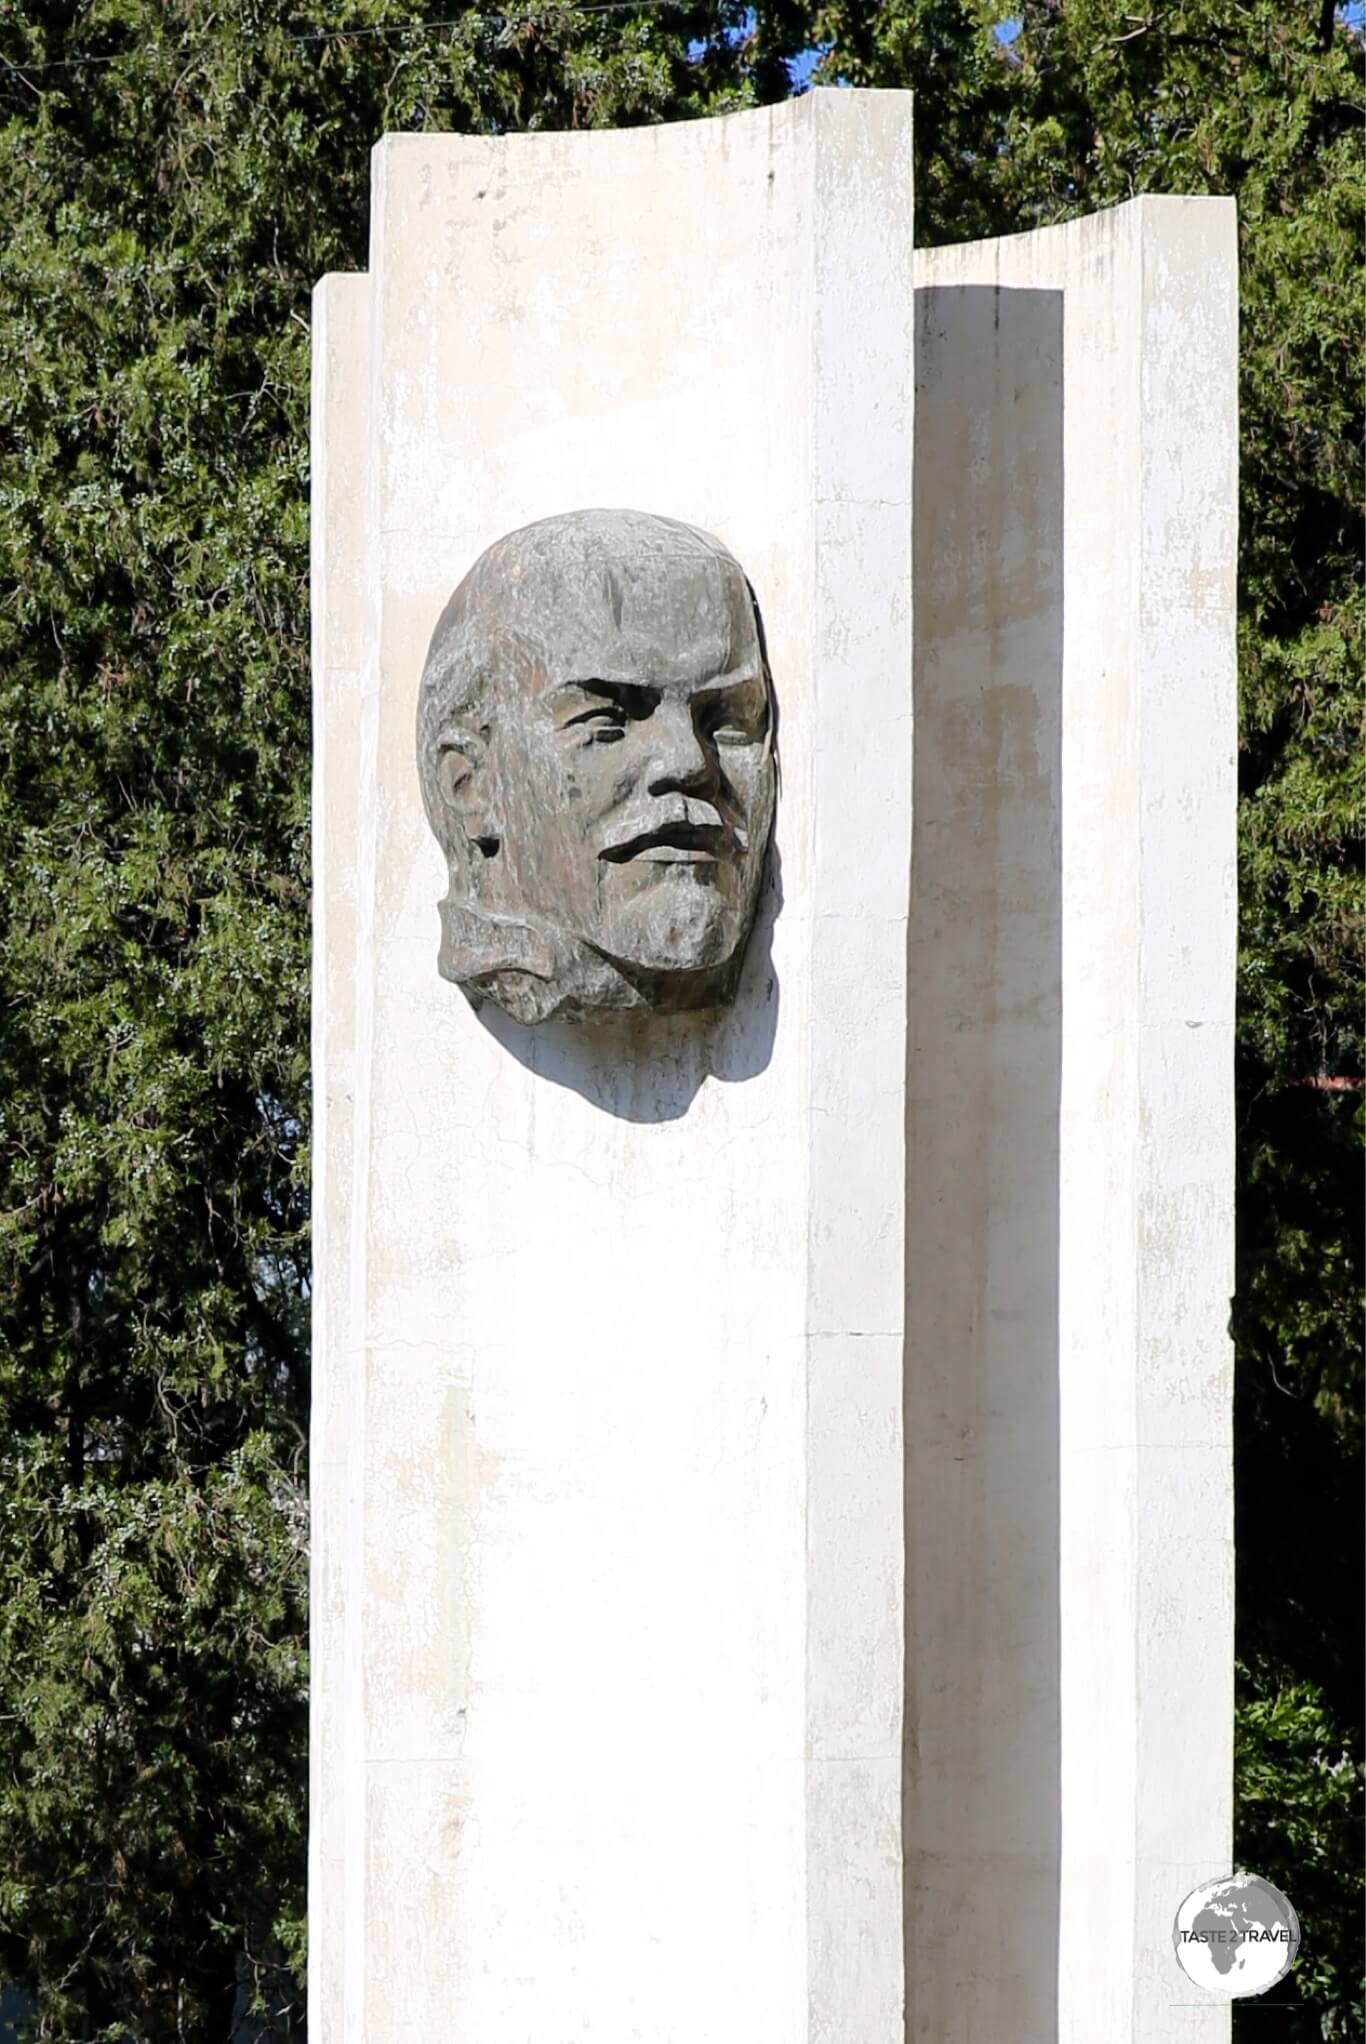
[(1067, 106), (177, 178)]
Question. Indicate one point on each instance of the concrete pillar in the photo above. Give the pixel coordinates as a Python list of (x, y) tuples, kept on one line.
[(755, 1453), (1069, 1533), (610, 1466), (341, 657)]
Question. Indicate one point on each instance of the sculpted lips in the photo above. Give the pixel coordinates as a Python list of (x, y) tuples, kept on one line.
[(674, 844), (673, 833)]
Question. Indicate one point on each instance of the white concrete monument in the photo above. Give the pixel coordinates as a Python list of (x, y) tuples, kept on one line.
[(771, 1459)]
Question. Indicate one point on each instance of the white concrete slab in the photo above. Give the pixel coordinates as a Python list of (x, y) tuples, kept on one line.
[(627, 1304), (340, 461), (1070, 1233)]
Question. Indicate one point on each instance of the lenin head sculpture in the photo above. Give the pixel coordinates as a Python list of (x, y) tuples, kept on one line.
[(595, 746)]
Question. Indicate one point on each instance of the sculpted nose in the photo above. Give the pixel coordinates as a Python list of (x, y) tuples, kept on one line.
[(679, 761)]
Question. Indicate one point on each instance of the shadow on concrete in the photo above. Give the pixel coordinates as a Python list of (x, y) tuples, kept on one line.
[(644, 1068), (981, 1759)]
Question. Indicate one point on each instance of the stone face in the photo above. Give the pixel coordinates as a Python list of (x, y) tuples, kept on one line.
[(595, 749)]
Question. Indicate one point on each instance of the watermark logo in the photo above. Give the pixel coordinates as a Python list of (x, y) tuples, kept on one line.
[(1236, 1936)]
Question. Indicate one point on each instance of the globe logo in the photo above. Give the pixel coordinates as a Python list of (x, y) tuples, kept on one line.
[(1236, 1936)]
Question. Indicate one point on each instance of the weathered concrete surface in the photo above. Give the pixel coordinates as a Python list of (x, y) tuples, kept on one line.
[(621, 1541), (341, 639), (1069, 1263)]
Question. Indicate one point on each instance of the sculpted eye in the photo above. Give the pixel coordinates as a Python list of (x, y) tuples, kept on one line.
[(737, 724), (604, 724)]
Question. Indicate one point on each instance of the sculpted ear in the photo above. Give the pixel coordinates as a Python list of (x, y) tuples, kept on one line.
[(465, 782), (460, 755)]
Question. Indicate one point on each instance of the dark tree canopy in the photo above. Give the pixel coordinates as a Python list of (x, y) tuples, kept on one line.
[(177, 177)]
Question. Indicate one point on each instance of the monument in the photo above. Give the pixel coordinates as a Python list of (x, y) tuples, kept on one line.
[(772, 1539)]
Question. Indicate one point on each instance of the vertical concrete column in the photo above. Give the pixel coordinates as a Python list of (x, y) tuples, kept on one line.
[(341, 637), (608, 1475), (1070, 1220)]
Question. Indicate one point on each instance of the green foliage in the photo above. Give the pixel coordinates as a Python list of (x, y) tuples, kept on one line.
[(1300, 1823), (177, 177), (157, 1798)]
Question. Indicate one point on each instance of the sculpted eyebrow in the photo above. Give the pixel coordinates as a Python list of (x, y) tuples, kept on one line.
[(730, 684), (636, 698)]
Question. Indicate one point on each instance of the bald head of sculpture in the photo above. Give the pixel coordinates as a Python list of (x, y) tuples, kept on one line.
[(595, 746)]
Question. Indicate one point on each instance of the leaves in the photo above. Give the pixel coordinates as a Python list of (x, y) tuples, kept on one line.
[(1300, 1783)]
